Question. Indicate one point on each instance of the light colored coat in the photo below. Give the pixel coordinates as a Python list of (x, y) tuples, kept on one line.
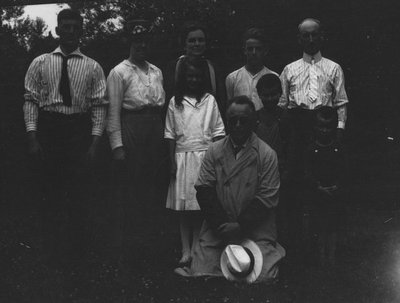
[(254, 175)]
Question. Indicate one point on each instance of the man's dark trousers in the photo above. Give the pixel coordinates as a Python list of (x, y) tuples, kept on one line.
[(66, 182)]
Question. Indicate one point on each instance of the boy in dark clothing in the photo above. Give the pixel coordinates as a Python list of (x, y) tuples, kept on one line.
[(325, 170), (271, 129), (269, 90)]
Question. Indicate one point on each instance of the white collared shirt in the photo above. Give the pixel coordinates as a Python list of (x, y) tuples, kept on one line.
[(295, 80), (195, 125), (87, 83), (242, 82), (130, 88)]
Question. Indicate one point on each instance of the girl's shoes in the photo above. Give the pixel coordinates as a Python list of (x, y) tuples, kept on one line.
[(186, 259), (182, 271)]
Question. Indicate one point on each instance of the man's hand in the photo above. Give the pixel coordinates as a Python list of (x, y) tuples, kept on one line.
[(91, 154), (340, 135), (118, 154), (34, 147), (230, 231), (119, 168)]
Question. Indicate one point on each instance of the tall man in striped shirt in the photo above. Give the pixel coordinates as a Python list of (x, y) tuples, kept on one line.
[(309, 83), (64, 114)]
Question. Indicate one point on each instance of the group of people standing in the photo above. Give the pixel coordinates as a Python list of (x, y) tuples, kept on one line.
[(225, 170)]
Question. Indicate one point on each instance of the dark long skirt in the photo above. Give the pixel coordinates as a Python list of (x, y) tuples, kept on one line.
[(141, 179), (142, 137)]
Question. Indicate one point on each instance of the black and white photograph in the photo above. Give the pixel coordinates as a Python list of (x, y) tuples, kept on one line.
[(221, 151)]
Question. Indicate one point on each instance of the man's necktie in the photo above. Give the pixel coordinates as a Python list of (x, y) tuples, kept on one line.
[(313, 89), (236, 150), (64, 83)]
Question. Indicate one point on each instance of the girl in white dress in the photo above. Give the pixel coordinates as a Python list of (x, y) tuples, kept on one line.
[(193, 122)]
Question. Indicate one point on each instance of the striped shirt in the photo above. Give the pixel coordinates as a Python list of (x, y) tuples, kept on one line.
[(87, 83), (242, 82), (331, 91)]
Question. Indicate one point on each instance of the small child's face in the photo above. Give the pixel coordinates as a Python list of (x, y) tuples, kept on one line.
[(324, 131), (194, 79), (269, 97)]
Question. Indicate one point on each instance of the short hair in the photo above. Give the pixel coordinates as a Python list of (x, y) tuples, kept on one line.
[(191, 27), (328, 114), (269, 81), (69, 14), (255, 33), (310, 19), (241, 100)]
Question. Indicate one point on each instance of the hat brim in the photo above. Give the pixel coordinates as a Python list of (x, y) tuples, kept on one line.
[(258, 263)]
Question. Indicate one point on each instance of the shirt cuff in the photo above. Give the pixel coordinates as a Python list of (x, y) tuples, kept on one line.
[(97, 132), (100, 102), (169, 136), (341, 124), (218, 134), (116, 139), (31, 126)]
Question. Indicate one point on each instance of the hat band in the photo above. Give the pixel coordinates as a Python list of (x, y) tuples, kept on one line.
[(247, 272)]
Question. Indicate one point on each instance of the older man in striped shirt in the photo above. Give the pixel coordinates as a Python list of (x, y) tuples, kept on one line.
[(308, 83), (64, 114), (314, 81)]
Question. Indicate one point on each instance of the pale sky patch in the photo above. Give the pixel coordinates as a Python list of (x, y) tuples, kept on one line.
[(48, 12)]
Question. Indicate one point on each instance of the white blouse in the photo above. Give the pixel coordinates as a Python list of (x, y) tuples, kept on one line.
[(195, 125), (242, 82), (130, 88)]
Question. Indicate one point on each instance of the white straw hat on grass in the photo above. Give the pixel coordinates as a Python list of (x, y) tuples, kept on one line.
[(242, 263)]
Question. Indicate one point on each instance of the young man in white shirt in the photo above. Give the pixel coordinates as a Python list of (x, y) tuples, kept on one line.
[(244, 80)]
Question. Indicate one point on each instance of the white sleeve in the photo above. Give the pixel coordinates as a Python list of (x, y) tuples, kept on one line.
[(169, 131)]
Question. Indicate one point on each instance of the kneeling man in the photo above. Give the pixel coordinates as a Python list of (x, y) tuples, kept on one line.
[(238, 191)]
